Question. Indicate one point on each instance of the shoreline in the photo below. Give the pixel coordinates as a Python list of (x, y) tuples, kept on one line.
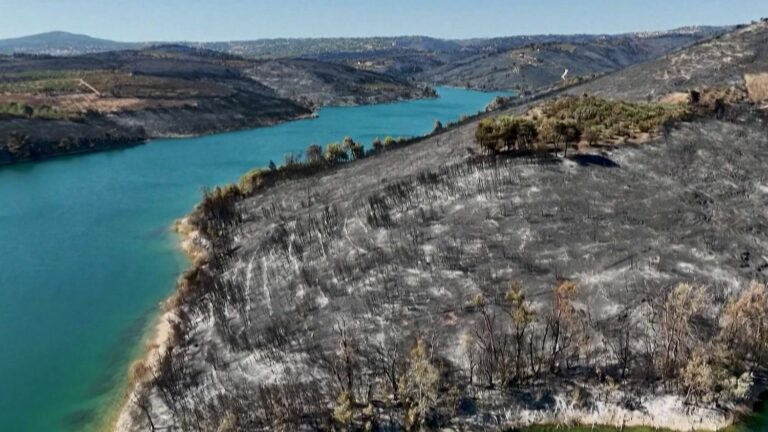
[(121, 145), (109, 415), (160, 339)]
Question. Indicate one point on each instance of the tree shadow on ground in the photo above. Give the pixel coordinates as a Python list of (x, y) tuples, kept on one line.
[(594, 160)]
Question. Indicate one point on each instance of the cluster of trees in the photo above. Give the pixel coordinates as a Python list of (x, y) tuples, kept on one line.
[(315, 159), (347, 150), (409, 381), (665, 342), (402, 382), (507, 133), (567, 120)]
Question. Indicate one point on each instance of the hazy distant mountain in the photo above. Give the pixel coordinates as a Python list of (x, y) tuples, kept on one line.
[(61, 43)]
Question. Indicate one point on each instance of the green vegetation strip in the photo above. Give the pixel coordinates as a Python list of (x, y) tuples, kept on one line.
[(570, 119), (15, 109)]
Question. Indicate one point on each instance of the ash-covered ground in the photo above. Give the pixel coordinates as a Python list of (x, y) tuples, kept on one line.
[(395, 247), (687, 207), (534, 288)]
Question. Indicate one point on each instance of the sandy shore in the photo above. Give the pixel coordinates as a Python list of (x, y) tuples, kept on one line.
[(190, 242)]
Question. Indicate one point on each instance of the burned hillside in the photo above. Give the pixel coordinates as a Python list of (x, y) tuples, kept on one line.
[(428, 251), (432, 284)]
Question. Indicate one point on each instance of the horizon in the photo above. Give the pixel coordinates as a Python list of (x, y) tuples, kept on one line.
[(75, 33), (238, 20)]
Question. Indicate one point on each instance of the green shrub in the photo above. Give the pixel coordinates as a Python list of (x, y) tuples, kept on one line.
[(334, 153), (251, 181), (487, 135), (593, 134)]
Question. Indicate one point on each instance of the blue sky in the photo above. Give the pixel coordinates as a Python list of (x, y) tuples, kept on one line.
[(199, 20)]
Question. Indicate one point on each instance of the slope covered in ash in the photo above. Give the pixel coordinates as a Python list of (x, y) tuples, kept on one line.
[(403, 251), (429, 285)]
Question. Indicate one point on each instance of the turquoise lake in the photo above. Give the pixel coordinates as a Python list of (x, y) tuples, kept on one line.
[(87, 255)]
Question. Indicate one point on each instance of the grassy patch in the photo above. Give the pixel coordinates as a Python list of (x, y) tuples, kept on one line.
[(46, 86), (44, 81), (109, 83), (15, 109)]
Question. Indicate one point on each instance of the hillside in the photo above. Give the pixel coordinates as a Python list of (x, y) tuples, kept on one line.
[(738, 59), (58, 105), (542, 65), (321, 83), (520, 62), (402, 56), (446, 287)]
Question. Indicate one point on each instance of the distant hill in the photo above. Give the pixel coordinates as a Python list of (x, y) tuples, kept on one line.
[(737, 61), (522, 63), (288, 47), (541, 64), (62, 43)]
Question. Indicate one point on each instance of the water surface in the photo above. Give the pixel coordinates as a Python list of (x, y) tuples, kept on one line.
[(86, 255)]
